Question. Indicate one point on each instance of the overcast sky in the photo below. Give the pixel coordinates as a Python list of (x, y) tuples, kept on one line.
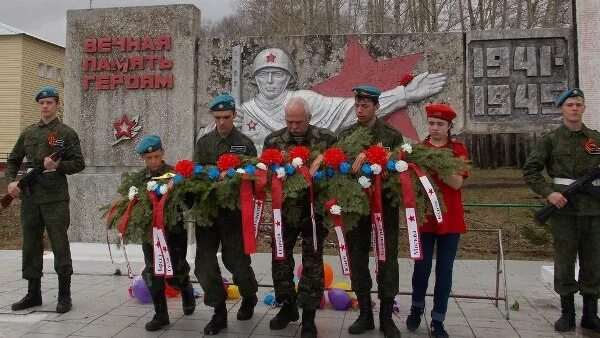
[(47, 19)]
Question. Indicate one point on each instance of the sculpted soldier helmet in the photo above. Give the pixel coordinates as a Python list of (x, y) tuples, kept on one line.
[(274, 57)]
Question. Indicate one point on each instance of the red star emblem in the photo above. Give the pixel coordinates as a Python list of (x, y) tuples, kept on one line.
[(271, 57), (164, 248), (411, 218), (430, 191), (278, 223), (158, 244), (123, 127), (251, 125), (359, 68), (378, 218), (342, 247)]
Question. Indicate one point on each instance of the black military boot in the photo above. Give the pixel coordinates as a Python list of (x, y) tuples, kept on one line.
[(188, 301), (218, 321), (566, 322), (161, 317), (246, 310), (438, 330), (288, 313), (414, 318), (590, 318), (64, 303), (386, 323), (33, 296), (365, 321), (309, 329)]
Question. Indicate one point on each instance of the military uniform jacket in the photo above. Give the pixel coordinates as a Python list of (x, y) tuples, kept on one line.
[(562, 153), (315, 138), (37, 142), (212, 145), (382, 132)]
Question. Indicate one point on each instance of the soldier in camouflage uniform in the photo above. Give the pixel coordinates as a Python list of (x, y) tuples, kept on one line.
[(310, 289), (46, 203), (152, 152), (576, 224), (227, 228), (359, 238)]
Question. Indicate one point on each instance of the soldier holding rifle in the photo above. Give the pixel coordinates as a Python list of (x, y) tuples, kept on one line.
[(45, 200), (568, 153)]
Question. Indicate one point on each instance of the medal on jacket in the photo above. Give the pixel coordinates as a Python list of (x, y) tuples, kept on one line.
[(591, 147)]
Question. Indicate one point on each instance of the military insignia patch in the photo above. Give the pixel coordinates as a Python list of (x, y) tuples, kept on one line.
[(591, 147), (52, 137), (237, 149)]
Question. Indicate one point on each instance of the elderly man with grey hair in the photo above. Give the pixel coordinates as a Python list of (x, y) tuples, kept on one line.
[(299, 132)]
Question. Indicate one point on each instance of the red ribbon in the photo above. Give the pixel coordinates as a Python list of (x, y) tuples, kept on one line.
[(409, 203), (377, 217), (369, 193), (125, 218), (338, 223), (277, 204), (260, 196), (308, 177), (162, 257), (246, 203)]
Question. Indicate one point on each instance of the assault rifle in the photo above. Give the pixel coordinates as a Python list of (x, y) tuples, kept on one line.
[(32, 175), (583, 184)]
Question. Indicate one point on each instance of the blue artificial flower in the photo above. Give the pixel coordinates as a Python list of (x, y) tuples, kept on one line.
[(391, 165), (230, 172), (345, 167), (213, 173), (329, 172), (198, 169), (366, 169), (157, 190), (319, 175), (289, 169), (250, 169), (274, 167), (177, 179)]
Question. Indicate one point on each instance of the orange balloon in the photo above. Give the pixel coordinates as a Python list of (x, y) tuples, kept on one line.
[(328, 273)]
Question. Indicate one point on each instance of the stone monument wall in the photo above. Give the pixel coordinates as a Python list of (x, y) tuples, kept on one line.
[(588, 49)]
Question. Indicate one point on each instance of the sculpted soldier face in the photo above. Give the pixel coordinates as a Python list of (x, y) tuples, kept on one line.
[(272, 81), (572, 109), (48, 107), (297, 118), (365, 109), (438, 128), (154, 159), (224, 121)]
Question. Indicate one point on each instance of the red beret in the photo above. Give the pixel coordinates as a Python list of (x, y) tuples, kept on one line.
[(440, 111)]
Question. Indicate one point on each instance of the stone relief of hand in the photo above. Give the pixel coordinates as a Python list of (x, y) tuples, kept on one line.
[(424, 85)]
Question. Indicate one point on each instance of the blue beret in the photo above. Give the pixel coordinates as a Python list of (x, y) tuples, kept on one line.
[(575, 92), (149, 144), (222, 102), (45, 92), (367, 91)]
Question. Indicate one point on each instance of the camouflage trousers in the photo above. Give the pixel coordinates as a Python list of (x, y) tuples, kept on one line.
[(177, 243), (226, 232), (576, 236), (311, 284), (55, 218), (359, 243)]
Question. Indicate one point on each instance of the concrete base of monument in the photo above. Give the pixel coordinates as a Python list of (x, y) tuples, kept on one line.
[(547, 274), (94, 258)]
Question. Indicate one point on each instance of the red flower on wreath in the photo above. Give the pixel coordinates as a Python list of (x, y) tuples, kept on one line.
[(228, 161), (271, 156), (185, 168), (376, 155), (300, 151), (333, 157), (406, 79)]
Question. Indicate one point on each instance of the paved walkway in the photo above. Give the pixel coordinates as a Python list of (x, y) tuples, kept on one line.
[(102, 307)]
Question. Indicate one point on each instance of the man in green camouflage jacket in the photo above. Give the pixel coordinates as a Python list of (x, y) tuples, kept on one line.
[(45, 203), (226, 230), (310, 288), (152, 152), (567, 153), (359, 238)]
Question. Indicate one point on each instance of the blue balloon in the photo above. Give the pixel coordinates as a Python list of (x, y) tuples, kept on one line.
[(198, 169), (230, 172), (345, 167), (289, 169), (391, 165), (213, 173), (319, 175), (177, 179), (250, 169), (366, 169), (329, 172)]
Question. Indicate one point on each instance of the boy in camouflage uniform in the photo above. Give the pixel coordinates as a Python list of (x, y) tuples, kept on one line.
[(567, 153), (310, 289), (359, 238), (151, 151), (227, 228), (46, 203)]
